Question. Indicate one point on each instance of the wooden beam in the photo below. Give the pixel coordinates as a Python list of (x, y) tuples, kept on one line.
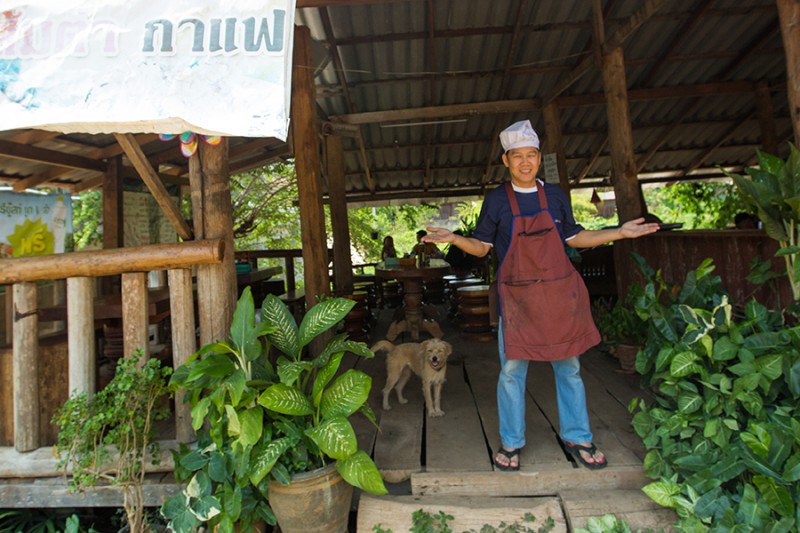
[(706, 153), (38, 179), (154, 184), (688, 110), (25, 354), (516, 106), (789, 14), (306, 150), (109, 262), (50, 157), (592, 160)]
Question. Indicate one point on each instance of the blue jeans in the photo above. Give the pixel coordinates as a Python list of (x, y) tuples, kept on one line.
[(573, 417)]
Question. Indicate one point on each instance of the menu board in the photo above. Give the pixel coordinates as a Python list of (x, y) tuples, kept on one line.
[(144, 221)]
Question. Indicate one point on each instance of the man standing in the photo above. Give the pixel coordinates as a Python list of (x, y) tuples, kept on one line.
[(544, 304)]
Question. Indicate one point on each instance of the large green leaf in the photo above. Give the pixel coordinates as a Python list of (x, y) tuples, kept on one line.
[(725, 349), (252, 425), (286, 400), (265, 458), (235, 385), (338, 344), (689, 403), (361, 472), (284, 336), (290, 371), (181, 519), (243, 325), (346, 394), (322, 317), (769, 163), (214, 365), (662, 492), (335, 438), (324, 375), (684, 364)]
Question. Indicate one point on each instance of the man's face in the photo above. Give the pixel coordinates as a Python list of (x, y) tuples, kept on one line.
[(523, 165)]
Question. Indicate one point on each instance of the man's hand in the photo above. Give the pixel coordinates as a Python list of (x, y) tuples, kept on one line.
[(636, 228), (438, 235)]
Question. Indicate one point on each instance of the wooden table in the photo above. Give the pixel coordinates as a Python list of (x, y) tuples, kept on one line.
[(412, 279)]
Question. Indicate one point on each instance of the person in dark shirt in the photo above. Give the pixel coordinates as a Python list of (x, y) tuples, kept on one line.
[(460, 261)]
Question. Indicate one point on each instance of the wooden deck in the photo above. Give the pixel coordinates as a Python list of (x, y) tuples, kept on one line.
[(446, 463)]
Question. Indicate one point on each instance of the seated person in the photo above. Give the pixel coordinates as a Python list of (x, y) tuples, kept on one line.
[(745, 221), (388, 248), (460, 261), (429, 248)]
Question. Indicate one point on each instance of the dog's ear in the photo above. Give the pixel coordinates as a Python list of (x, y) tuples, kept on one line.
[(425, 344), (449, 347)]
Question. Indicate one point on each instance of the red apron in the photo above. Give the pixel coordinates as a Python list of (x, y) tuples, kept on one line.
[(545, 305)]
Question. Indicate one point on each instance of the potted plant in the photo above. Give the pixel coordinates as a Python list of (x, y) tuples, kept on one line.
[(623, 331), (104, 438), (259, 424)]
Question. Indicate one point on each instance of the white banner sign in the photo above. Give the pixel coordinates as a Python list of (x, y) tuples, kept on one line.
[(142, 66)]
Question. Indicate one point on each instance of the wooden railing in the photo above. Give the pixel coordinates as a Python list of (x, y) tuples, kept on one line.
[(79, 269), (288, 257)]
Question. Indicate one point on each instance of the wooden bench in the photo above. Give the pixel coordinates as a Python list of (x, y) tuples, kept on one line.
[(296, 300)]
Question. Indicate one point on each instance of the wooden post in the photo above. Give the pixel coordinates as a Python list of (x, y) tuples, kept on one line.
[(81, 341), (184, 344), (26, 368), (789, 15), (134, 314), (112, 215), (628, 193), (555, 144), (306, 152), (8, 301), (342, 262), (766, 118), (291, 284), (213, 218)]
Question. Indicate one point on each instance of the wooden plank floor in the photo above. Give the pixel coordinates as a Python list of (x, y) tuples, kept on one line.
[(451, 456), (466, 438)]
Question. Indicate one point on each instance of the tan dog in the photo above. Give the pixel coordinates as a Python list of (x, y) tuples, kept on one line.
[(426, 359)]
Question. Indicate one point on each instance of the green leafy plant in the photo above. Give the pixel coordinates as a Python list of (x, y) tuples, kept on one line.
[(256, 421), (722, 435), (120, 418), (621, 325), (773, 190)]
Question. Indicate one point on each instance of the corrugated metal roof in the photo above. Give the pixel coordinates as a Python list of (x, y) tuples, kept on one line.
[(409, 56)]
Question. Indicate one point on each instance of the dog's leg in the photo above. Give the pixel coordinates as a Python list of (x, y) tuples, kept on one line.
[(437, 398), (393, 374), (402, 383)]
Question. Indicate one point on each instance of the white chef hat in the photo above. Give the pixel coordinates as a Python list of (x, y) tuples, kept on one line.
[(519, 134)]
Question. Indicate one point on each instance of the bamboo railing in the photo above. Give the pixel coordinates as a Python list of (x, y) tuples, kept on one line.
[(79, 269)]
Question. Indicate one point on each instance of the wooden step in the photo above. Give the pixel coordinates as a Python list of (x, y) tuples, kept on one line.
[(632, 505), (469, 513)]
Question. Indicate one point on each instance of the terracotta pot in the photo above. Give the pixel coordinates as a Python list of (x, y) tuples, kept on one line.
[(314, 502), (626, 354)]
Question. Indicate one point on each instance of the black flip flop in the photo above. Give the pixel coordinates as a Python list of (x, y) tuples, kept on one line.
[(508, 454), (575, 451)]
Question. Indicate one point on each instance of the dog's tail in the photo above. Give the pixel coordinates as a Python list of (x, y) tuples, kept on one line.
[(382, 345)]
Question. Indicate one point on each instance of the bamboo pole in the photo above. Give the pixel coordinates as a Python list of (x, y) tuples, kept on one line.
[(134, 314), (110, 262), (81, 340), (26, 368), (184, 342)]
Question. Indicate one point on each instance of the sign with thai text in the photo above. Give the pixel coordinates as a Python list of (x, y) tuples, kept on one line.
[(139, 66), (34, 224)]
